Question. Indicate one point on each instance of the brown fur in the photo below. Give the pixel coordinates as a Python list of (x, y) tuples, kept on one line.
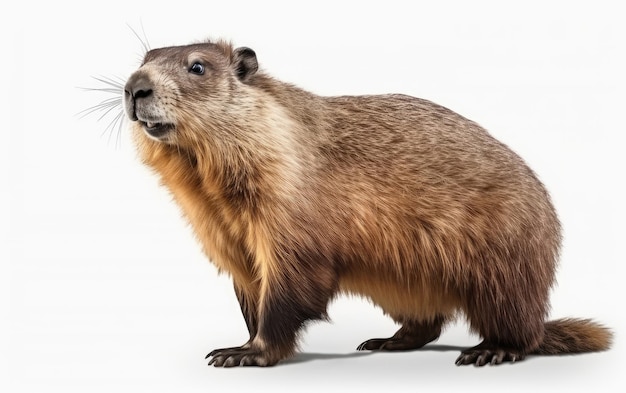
[(300, 197)]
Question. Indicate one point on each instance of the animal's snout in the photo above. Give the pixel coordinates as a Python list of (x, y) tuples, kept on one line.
[(137, 87), (144, 105)]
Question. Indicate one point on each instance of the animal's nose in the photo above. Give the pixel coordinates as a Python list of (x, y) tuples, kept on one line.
[(138, 86), (140, 93)]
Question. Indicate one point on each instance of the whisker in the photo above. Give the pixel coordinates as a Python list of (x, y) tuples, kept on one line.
[(111, 132), (112, 107), (110, 125), (145, 37), (145, 44), (116, 105), (114, 85), (110, 81), (120, 121), (105, 89), (106, 106), (116, 122)]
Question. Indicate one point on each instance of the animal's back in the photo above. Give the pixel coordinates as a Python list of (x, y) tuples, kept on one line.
[(426, 205)]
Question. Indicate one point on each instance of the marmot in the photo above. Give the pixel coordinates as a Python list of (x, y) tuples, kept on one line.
[(300, 198)]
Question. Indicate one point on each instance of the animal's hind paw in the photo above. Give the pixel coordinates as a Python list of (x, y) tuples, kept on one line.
[(481, 355)]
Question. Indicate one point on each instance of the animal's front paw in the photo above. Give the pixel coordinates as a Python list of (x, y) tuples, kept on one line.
[(240, 356)]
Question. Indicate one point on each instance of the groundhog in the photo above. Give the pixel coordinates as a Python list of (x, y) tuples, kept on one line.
[(300, 198)]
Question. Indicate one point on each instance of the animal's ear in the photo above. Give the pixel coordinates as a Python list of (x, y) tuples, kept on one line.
[(244, 63)]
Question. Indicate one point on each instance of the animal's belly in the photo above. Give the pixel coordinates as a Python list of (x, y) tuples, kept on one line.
[(410, 299)]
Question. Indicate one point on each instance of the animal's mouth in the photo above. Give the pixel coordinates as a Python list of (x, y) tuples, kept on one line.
[(155, 129)]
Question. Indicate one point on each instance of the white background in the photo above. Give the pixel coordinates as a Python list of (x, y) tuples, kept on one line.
[(103, 287)]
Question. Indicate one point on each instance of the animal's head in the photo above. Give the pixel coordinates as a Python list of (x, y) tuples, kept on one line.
[(178, 92)]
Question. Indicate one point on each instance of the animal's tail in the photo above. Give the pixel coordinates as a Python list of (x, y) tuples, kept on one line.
[(571, 335)]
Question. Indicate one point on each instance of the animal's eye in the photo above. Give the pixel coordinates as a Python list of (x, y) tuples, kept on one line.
[(197, 68)]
